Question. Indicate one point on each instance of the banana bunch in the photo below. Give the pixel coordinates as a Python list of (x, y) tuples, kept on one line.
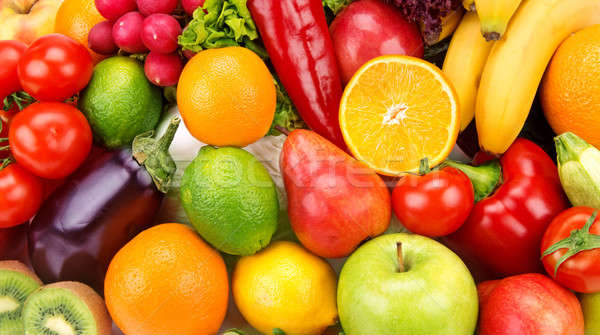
[(498, 80)]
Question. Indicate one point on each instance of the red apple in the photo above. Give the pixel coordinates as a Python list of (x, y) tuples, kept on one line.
[(26, 20), (370, 28), (484, 290), (530, 304)]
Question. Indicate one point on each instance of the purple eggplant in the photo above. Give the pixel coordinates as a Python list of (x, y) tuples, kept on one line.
[(112, 197)]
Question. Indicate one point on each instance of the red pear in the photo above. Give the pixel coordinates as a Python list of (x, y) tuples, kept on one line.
[(334, 201)]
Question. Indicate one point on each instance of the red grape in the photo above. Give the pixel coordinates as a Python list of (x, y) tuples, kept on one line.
[(114, 9), (127, 33), (163, 69), (190, 5), (100, 38), (160, 32), (148, 7)]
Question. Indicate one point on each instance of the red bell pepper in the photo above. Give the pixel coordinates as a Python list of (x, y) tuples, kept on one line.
[(505, 228), (296, 36)]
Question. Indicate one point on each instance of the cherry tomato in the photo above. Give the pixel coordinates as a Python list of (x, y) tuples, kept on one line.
[(54, 68), (434, 204), (20, 195), (576, 234), (50, 139), (10, 53)]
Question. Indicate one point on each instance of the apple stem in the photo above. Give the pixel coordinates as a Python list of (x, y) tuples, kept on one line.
[(401, 267)]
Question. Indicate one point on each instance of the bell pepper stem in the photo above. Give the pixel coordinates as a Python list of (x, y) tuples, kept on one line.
[(485, 178)]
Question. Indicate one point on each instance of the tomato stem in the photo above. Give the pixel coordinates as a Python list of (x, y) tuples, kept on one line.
[(6, 162), (579, 240), (401, 267)]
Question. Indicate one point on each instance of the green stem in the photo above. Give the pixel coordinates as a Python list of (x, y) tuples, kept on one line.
[(424, 166), (485, 178), (569, 147), (579, 240), (154, 155)]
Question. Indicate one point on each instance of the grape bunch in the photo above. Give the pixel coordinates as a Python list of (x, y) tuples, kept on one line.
[(143, 26)]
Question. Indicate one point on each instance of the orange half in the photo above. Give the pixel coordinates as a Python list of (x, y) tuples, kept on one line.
[(397, 110)]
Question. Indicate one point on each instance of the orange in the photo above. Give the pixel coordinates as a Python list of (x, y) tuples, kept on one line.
[(167, 281), (397, 110), (227, 97), (570, 91), (75, 18)]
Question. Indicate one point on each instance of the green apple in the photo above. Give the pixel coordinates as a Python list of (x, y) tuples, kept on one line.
[(590, 303), (406, 284)]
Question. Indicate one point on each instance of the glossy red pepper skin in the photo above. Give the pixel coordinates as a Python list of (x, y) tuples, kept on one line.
[(296, 36), (504, 231)]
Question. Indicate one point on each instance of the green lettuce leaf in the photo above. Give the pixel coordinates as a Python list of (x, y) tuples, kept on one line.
[(218, 24), (336, 6), (286, 115)]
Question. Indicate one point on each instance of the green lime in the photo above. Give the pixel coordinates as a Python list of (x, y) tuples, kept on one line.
[(119, 102), (230, 199)]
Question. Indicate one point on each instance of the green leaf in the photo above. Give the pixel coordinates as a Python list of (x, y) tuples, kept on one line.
[(286, 115), (219, 24), (336, 6), (278, 331)]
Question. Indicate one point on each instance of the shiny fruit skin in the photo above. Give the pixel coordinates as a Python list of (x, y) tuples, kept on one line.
[(27, 20), (517, 303), (167, 281), (50, 139), (20, 195), (127, 33), (334, 201), (517, 63), (580, 272), (435, 204), (54, 68), (163, 69), (285, 286), (227, 97), (571, 86), (149, 7), (370, 28), (10, 53), (114, 9), (75, 18), (160, 32), (190, 5), (100, 39)]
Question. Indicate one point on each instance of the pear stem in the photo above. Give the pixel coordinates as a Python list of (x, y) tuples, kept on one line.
[(401, 267)]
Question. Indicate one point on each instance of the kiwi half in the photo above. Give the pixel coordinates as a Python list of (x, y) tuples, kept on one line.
[(17, 282), (66, 308)]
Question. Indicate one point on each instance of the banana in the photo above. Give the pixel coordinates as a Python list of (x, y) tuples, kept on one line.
[(464, 64), (449, 24), (469, 5), (495, 16), (517, 63)]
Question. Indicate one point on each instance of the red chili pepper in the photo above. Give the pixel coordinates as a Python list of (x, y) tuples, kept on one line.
[(505, 228), (296, 36)]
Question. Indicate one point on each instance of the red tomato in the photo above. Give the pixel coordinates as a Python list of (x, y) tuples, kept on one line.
[(50, 139), (54, 68), (20, 195), (435, 204), (10, 53), (581, 271)]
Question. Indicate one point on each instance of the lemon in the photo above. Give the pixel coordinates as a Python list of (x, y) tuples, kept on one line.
[(284, 286)]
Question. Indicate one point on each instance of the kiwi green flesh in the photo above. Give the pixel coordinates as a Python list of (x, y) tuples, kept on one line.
[(57, 311), (15, 287)]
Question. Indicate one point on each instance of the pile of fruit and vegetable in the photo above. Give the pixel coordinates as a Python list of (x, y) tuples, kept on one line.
[(300, 167)]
